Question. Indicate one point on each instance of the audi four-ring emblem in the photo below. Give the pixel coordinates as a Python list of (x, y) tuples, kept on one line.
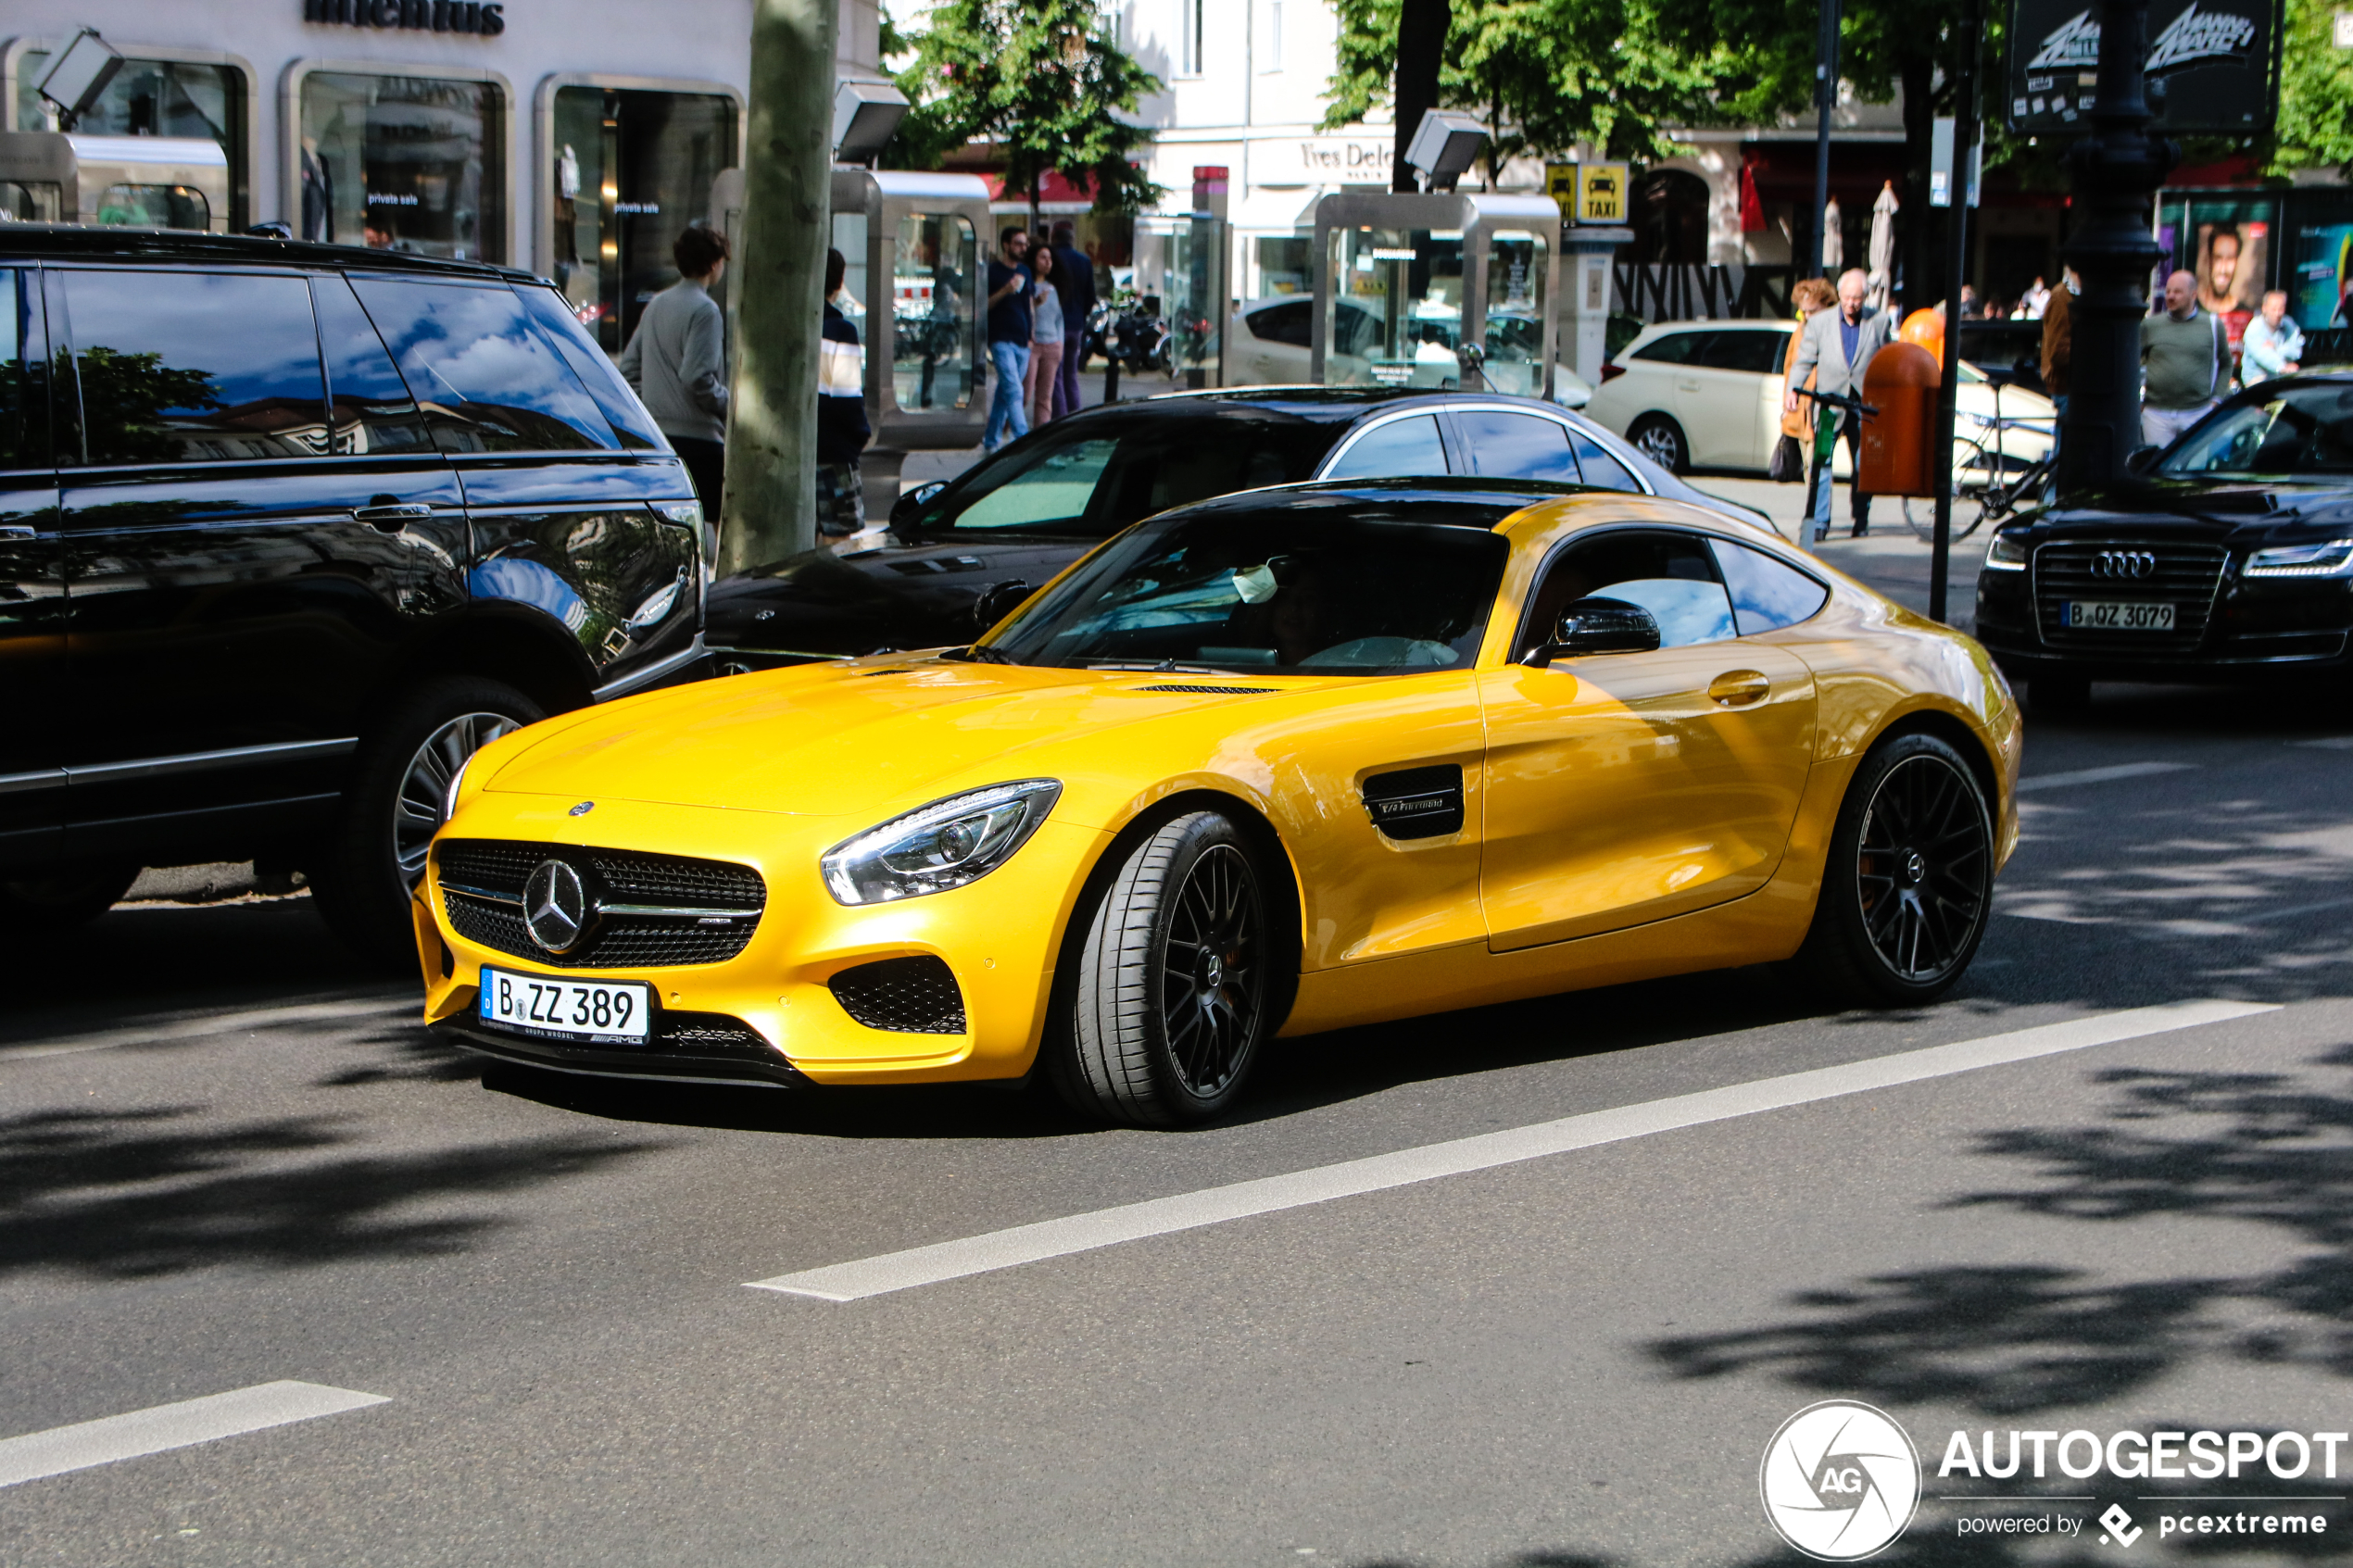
[(2124, 563)]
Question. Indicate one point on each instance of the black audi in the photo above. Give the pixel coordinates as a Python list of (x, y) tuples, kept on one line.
[(957, 555), (2227, 555)]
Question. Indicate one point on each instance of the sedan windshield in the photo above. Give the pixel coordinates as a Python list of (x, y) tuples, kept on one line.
[(1092, 478), (2294, 431), (1302, 590)]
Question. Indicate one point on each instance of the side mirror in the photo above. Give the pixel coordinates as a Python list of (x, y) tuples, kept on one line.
[(1597, 625), (907, 505), (2140, 462), (998, 601)]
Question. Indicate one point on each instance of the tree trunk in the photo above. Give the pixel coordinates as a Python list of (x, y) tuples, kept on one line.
[(771, 505), (1421, 49), (1919, 227)]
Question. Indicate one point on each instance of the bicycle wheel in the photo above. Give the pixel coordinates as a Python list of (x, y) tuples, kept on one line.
[(1972, 470)]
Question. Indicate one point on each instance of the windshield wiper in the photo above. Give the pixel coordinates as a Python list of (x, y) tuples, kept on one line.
[(1167, 666), (977, 654)]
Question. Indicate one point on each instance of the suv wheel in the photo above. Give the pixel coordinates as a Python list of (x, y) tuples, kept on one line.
[(1661, 440), (393, 803), (44, 905)]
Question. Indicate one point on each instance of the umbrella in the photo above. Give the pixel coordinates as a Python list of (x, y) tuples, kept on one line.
[(1833, 240), (1883, 244)]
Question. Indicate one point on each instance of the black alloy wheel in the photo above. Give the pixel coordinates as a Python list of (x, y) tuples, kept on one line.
[(1661, 440), (1171, 998), (1909, 881)]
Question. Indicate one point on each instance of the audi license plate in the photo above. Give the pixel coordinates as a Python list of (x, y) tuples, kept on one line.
[(2111, 615), (602, 1013)]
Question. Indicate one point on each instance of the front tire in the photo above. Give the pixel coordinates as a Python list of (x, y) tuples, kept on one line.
[(392, 807), (48, 904), (1909, 881), (1661, 440), (1174, 983)]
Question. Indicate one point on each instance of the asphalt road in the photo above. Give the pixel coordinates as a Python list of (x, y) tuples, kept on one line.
[(227, 1161)]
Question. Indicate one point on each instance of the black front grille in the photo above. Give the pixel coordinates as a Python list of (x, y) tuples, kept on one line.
[(2186, 576), (711, 908), (915, 995)]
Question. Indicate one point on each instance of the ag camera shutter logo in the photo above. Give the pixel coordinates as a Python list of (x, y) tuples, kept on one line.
[(1840, 1480)]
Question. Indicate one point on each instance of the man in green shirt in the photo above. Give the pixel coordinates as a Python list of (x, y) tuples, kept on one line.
[(2186, 363)]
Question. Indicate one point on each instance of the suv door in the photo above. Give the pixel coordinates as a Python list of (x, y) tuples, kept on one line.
[(1732, 372), (580, 516), (33, 587), (235, 569)]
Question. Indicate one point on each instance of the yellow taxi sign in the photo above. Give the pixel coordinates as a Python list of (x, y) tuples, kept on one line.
[(1560, 183), (1601, 192)]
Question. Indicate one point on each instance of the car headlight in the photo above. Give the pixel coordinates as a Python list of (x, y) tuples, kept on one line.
[(944, 845), (2005, 552), (2331, 559)]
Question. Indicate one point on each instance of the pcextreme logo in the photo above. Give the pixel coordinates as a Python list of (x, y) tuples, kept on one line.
[(1840, 1480)]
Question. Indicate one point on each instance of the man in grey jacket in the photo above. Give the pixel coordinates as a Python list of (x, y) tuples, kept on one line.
[(677, 361), (1839, 345)]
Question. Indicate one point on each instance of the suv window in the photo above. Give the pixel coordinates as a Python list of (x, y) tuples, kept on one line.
[(373, 412), (1757, 353), (487, 381), (1292, 321), (1517, 445), (599, 375), (24, 434), (1674, 348), (1402, 448), (196, 367)]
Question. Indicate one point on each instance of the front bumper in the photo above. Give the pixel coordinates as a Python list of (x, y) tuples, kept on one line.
[(2252, 630)]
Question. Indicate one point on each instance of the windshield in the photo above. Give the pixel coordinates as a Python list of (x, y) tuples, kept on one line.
[(1092, 478), (2296, 431), (1306, 590)]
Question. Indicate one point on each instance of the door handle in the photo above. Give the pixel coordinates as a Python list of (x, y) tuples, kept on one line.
[(391, 519), (1686, 385), (1738, 688)]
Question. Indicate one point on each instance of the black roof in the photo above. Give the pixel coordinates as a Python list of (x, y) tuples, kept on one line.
[(75, 242), (1318, 404), (1457, 501)]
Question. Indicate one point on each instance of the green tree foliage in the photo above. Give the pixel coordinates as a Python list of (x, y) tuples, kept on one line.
[(1043, 80), (2316, 93)]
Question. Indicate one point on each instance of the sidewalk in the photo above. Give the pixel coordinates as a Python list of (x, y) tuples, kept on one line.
[(1890, 559)]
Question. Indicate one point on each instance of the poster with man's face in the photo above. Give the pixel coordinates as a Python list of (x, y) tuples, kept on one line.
[(2231, 266)]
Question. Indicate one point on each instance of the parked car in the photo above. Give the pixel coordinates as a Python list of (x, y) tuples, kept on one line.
[(1708, 394), (286, 532), (2226, 557), (1271, 342), (1296, 760), (1017, 517)]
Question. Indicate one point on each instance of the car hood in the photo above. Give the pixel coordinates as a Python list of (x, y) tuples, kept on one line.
[(838, 739), (908, 593), (2200, 510)]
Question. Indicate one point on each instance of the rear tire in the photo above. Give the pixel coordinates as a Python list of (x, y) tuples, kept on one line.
[(1661, 440), (1908, 883), (392, 807), (51, 903), (1172, 998)]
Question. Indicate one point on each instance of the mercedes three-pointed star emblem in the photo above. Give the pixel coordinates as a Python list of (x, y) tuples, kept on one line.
[(554, 907)]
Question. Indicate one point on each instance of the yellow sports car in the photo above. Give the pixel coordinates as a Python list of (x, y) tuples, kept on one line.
[(1286, 761)]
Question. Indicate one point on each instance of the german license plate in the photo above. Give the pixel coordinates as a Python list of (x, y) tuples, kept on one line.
[(2114, 615), (604, 1012)]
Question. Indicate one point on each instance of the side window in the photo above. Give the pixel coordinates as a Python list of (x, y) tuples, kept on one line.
[(373, 413), (1602, 470), (1055, 488), (196, 367), (24, 401), (599, 375), (488, 383), (1766, 593), (1406, 449), (1290, 323), (1517, 445), (1672, 575), (1757, 353), (1675, 348)]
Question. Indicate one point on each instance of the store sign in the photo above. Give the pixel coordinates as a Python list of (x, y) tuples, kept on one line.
[(418, 15), (2218, 62), (1321, 160)]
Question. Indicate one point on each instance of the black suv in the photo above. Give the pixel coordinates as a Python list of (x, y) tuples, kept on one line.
[(286, 532)]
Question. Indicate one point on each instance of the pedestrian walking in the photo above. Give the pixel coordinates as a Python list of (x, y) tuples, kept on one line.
[(1010, 281), (2186, 363), (842, 430), (1833, 351), (2273, 345), (1074, 280), (1045, 337), (2058, 355), (677, 362), (1799, 453)]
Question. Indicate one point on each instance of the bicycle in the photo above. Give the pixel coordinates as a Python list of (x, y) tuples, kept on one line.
[(1982, 489)]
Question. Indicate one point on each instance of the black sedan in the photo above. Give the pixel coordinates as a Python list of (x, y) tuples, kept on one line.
[(2228, 555), (957, 555)]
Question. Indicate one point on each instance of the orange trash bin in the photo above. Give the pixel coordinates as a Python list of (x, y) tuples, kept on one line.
[(1901, 383)]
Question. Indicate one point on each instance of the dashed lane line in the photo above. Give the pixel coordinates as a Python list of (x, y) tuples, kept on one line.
[(215, 1024), (2100, 775), (164, 1427), (1161, 1216)]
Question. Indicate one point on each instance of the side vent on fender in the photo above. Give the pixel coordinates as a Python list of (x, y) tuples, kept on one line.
[(1417, 802)]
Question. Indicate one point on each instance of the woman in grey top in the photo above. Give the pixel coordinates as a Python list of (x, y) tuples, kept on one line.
[(1045, 337), (677, 362)]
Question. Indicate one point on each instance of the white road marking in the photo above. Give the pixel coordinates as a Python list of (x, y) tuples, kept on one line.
[(2100, 775), (1161, 1216), (63, 1448), (215, 1024)]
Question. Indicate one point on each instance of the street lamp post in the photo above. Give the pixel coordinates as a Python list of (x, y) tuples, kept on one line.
[(2116, 171), (1825, 98)]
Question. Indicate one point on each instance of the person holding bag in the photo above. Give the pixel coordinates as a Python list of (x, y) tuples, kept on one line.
[(1787, 466)]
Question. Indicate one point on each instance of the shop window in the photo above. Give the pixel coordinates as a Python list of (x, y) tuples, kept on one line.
[(632, 169), (1670, 219), (407, 163), (158, 98), (1286, 266), (934, 261)]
